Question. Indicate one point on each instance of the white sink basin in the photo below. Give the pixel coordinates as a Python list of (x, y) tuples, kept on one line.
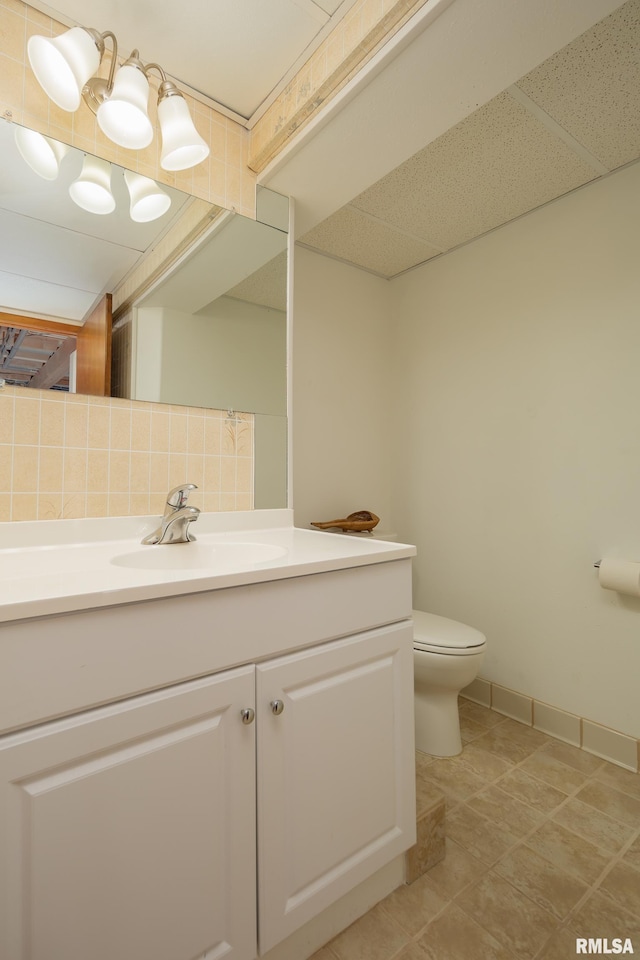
[(199, 556)]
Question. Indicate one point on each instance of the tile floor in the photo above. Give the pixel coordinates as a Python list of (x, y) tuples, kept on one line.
[(543, 847)]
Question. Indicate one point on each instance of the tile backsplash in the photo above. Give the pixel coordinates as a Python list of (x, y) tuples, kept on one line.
[(64, 456)]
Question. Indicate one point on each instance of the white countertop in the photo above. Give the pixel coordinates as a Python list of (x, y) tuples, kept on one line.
[(58, 566)]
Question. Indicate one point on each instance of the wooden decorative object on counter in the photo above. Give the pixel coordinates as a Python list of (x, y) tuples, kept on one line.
[(361, 521)]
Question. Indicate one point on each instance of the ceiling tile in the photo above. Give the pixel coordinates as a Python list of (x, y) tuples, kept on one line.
[(351, 235), (592, 87), (497, 164)]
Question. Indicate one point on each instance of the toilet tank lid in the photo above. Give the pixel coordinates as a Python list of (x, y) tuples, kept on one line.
[(438, 631)]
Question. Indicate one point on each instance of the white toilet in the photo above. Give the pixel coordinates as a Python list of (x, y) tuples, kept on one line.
[(446, 657)]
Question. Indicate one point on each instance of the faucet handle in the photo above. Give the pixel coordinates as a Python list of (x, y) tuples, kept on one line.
[(179, 495)]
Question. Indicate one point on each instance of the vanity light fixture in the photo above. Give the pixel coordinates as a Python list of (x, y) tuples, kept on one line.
[(92, 189), (41, 153), (66, 68), (122, 114), (148, 200)]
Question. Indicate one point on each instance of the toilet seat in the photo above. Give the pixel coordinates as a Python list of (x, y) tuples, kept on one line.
[(434, 634)]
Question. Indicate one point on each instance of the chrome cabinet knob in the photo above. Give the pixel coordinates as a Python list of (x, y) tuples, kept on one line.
[(277, 706), (248, 715)]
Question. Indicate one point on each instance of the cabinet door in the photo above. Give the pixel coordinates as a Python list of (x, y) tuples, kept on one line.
[(336, 782), (128, 831)]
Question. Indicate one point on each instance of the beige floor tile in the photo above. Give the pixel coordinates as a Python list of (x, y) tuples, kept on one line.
[(606, 833), (499, 742), (414, 905), (622, 884), (484, 764), (572, 756), (456, 936), (509, 916), (553, 771), (412, 952), (429, 848), (476, 713), (501, 807), (561, 946), (324, 954), (632, 856), (532, 791), (600, 917), (423, 762), (522, 733), (551, 888), (455, 872), (375, 936), (428, 795), (569, 851), (470, 729), (623, 780), (615, 804), (455, 779), (480, 837)]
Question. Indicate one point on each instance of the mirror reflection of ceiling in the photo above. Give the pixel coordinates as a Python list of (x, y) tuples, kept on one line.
[(266, 287), (240, 258), (573, 119), (275, 38), (24, 354), (58, 259)]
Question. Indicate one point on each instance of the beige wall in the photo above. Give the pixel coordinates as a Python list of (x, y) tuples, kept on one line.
[(501, 383), (231, 356), (341, 414), (518, 452)]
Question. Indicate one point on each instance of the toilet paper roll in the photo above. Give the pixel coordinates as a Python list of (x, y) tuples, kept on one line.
[(623, 576)]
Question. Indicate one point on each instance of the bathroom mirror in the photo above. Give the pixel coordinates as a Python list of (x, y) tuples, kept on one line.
[(211, 332)]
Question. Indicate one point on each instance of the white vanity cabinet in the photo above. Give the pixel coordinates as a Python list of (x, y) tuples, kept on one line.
[(129, 831), (198, 776), (335, 772)]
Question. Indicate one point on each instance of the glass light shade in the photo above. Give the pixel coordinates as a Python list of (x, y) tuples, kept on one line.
[(148, 200), (63, 65), (182, 145), (123, 117), (41, 153), (92, 189)]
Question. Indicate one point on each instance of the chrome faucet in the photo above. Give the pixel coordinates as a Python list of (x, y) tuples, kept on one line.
[(174, 526)]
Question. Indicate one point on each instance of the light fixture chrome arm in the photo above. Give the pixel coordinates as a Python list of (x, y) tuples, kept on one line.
[(167, 87), (96, 90)]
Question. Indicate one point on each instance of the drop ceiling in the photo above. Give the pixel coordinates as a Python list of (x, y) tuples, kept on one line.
[(571, 120)]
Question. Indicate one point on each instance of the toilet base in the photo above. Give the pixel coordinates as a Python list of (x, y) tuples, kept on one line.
[(438, 724)]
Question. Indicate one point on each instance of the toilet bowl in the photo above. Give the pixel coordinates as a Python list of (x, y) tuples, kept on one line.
[(446, 657)]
